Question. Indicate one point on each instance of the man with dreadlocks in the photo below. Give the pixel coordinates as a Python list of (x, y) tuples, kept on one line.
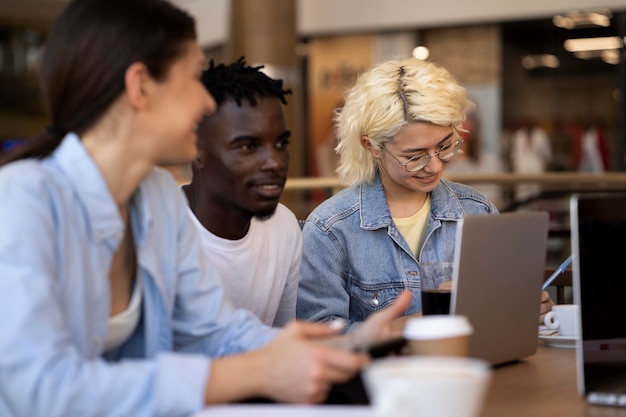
[(239, 174)]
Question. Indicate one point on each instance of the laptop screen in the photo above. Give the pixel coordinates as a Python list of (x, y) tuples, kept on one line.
[(499, 264), (599, 245)]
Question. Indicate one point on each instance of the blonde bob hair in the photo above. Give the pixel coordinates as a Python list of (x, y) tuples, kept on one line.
[(386, 98)]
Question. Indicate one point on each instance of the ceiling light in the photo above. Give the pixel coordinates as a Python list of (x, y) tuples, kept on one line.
[(611, 56), (540, 61), (592, 44), (421, 53), (580, 19), (600, 19), (528, 62), (563, 22), (587, 54), (550, 61)]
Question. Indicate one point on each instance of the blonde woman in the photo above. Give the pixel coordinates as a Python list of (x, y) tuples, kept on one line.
[(398, 129)]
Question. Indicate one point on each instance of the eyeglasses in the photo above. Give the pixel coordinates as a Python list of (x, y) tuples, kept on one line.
[(445, 153)]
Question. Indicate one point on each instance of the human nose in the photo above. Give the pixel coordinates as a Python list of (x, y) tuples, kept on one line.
[(430, 158), (274, 159)]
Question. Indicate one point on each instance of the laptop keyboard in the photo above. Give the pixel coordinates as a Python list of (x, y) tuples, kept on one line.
[(607, 398)]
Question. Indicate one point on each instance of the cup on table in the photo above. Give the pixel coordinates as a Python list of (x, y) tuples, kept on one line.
[(564, 318), (441, 386), (436, 287), (440, 335)]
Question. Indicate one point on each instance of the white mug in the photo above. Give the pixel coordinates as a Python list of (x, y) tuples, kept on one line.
[(564, 318), (439, 386)]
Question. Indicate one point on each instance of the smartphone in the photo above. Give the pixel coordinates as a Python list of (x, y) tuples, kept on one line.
[(385, 348)]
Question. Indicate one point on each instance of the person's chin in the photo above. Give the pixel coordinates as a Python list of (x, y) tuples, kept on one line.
[(265, 213)]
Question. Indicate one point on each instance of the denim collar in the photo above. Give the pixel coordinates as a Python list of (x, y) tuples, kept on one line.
[(445, 204)]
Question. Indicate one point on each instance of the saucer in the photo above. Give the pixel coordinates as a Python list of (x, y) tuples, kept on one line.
[(556, 341)]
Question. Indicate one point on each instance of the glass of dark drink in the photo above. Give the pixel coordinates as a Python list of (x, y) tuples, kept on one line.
[(436, 287)]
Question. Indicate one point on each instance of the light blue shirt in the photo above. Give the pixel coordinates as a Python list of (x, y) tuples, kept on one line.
[(59, 229), (355, 261)]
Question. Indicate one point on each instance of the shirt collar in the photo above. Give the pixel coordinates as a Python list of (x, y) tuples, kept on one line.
[(375, 212), (89, 187)]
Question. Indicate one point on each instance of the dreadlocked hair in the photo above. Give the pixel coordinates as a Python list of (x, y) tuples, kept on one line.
[(238, 81)]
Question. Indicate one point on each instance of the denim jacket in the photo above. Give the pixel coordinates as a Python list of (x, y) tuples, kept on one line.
[(355, 260)]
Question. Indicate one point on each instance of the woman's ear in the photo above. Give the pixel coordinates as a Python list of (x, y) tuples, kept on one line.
[(137, 82), (372, 147)]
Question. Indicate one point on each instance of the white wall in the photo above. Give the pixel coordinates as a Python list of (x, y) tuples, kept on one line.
[(212, 19), (325, 17), (332, 16)]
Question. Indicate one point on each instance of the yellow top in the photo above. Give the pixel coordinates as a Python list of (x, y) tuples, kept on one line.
[(413, 228)]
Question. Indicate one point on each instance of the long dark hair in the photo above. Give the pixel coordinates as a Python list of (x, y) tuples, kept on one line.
[(87, 53)]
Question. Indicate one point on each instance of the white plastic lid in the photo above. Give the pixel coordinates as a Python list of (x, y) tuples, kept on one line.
[(437, 327)]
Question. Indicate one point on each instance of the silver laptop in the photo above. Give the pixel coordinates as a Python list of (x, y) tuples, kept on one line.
[(598, 233), (499, 267)]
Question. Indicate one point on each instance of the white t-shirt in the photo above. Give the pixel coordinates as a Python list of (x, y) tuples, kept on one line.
[(260, 271)]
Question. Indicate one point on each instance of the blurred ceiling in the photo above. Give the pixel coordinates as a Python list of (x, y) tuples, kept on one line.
[(533, 37), (541, 36)]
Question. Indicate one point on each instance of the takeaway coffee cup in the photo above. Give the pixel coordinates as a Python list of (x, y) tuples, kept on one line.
[(564, 318), (431, 386), (441, 335)]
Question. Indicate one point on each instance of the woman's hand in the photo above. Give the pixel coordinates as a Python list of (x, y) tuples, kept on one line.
[(303, 371), (546, 305), (302, 363), (294, 368)]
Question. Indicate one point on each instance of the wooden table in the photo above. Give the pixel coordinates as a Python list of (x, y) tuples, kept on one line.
[(543, 385)]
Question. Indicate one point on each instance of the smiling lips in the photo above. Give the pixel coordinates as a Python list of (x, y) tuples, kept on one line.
[(428, 179), (270, 190), (270, 187)]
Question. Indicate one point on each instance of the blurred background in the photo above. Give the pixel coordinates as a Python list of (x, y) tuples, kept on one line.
[(550, 73)]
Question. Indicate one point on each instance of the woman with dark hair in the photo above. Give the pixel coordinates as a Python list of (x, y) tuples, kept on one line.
[(107, 307)]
